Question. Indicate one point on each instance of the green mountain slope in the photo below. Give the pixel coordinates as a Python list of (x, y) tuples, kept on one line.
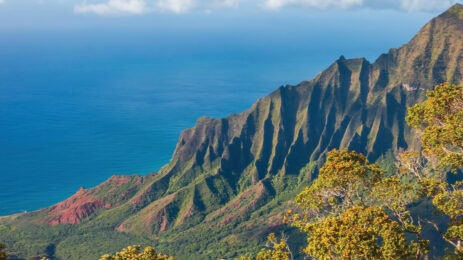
[(230, 180)]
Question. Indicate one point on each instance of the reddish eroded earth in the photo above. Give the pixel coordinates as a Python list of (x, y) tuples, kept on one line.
[(118, 180), (75, 209), (86, 202)]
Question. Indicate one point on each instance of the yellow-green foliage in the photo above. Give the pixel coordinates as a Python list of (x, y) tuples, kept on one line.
[(358, 233), (440, 121), (344, 181), (440, 118), (276, 250), (135, 253), (395, 195), (343, 212)]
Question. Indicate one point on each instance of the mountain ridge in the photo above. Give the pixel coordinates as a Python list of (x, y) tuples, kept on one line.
[(233, 177)]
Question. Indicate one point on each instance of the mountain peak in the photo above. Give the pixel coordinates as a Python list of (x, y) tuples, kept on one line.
[(456, 7), (433, 56), (456, 11)]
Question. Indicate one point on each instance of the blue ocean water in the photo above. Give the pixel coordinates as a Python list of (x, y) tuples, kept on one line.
[(79, 106)]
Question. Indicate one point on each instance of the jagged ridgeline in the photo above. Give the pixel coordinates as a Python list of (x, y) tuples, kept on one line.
[(230, 179)]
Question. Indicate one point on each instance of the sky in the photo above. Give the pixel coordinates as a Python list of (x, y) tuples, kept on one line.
[(46, 14)]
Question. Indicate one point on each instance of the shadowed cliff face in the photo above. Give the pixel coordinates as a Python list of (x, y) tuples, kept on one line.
[(237, 173), (353, 104)]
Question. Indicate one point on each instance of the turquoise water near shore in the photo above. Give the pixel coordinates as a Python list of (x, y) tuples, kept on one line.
[(77, 107)]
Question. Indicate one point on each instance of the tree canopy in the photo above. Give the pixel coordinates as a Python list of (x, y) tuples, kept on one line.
[(135, 253)]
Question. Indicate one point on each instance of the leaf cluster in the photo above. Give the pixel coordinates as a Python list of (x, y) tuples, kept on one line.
[(360, 233), (135, 253), (344, 181), (440, 120)]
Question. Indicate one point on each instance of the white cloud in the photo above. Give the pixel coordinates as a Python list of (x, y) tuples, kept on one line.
[(113, 7), (426, 5), (126, 7), (406, 5), (227, 3), (320, 4), (175, 6), (137, 7), (183, 6), (2, 1)]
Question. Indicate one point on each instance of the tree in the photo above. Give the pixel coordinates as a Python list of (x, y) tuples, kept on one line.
[(439, 120), (278, 250), (358, 233), (275, 250), (343, 216), (135, 253), (345, 180)]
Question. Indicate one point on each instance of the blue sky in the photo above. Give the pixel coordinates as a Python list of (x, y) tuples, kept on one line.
[(59, 13)]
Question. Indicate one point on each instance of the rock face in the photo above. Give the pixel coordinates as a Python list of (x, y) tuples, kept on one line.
[(353, 104), (229, 179)]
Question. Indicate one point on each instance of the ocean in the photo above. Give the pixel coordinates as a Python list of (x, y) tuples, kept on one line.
[(77, 106)]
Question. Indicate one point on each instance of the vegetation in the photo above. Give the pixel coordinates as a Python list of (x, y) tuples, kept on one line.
[(440, 122), (341, 217), (135, 253), (3, 254), (354, 211)]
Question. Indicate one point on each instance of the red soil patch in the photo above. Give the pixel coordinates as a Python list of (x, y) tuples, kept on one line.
[(75, 209)]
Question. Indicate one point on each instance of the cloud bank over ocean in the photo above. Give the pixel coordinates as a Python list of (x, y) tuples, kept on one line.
[(138, 7)]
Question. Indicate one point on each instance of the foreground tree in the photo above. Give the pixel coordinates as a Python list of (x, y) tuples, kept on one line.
[(275, 250), (439, 120), (344, 181), (342, 212), (358, 233), (135, 253)]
